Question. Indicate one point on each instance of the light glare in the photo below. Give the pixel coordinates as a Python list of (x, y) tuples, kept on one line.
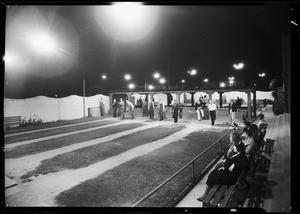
[(193, 72), (43, 43), (222, 84), (239, 66), (127, 77), (150, 87), (131, 86), (262, 74), (156, 75), (162, 80), (127, 21)]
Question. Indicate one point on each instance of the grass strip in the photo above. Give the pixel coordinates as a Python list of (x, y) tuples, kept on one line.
[(50, 125), (128, 183), (42, 146), (29, 136), (89, 155)]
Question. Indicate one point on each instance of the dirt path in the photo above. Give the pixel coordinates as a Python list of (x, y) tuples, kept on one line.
[(16, 167), (42, 189), (12, 145)]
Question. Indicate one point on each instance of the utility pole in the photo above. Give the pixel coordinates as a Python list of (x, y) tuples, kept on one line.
[(83, 85)]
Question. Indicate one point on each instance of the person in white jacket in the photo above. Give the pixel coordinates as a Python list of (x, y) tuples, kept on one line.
[(131, 109)]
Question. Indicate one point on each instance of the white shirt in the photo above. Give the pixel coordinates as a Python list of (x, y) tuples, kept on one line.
[(212, 107), (131, 105)]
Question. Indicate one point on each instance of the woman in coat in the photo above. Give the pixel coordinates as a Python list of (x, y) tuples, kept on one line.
[(175, 109), (232, 169)]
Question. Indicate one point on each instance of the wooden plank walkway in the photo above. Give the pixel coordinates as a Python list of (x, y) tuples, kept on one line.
[(277, 197)]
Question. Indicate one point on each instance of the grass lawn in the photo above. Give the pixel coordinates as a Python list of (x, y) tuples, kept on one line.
[(29, 136), (89, 155), (34, 148), (49, 125), (125, 185)]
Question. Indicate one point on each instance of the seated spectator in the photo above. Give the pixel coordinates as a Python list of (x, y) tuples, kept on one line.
[(255, 134), (234, 138), (262, 126), (247, 125), (248, 142), (232, 169)]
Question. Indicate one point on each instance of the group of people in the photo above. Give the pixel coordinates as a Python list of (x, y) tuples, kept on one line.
[(175, 109), (202, 108), (241, 155), (119, 108)]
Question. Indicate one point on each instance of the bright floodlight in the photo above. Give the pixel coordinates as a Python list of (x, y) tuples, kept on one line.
[(127, 14), (104, 76), (162, 80), (262, 74), (43, 42), (231, 82), (183, 81), (127, 77), (150, 87), (222, 84), (131, 86), (126, 21), (9, 58), (39, 42), (156, 75), (239, 66), (205, 80)]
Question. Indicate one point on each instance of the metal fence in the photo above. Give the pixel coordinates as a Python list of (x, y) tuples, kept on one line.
[(192, 164)]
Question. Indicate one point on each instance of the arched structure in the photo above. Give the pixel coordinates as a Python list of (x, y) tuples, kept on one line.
[(251, 109)]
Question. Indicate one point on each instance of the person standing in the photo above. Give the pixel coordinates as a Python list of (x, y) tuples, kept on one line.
[(212, 111), (151, 108), (161, 108), (174, 110), (122, 105), (140, 102), (199, 110), (102, 108), (232, 111), (115, 107), (145, 108), (130, 108)]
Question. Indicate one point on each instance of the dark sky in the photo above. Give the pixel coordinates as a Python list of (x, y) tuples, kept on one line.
[(209, 38)]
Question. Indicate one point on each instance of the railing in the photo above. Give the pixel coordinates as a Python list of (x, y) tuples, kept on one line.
[(192, 162)]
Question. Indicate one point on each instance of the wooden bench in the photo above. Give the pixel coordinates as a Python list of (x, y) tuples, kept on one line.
[(12, 122), (225, 195), (266, 154)]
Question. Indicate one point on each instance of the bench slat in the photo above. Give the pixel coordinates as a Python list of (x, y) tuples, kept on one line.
[(226, 192), (206, 201), (227, 196), (219, 195), (13, 121)]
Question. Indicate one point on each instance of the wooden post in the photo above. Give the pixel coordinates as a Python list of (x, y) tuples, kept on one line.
[(192, 98), (249, 104), (254, 103), (221, 100)]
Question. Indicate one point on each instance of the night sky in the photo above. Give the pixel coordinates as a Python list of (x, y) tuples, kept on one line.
[(208, 38)]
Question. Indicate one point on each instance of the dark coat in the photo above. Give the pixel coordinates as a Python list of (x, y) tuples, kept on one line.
[(224, 176), (233, 107)]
